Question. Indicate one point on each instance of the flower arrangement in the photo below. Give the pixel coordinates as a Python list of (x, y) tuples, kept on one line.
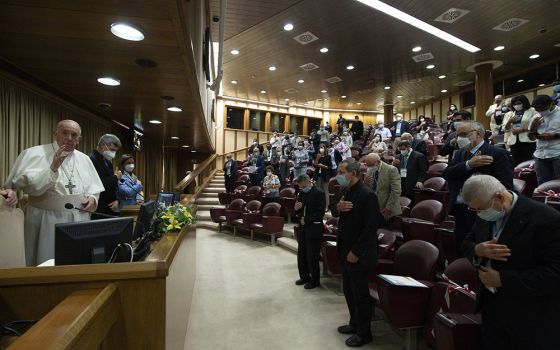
[(173, 218)]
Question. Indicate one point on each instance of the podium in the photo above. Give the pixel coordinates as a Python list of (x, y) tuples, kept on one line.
[(138, 305)]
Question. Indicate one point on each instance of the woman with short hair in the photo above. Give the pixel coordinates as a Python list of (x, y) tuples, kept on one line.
[(130, 188)]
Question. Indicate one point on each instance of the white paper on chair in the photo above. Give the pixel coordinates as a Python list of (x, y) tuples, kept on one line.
[(402, 281), (331, 243)]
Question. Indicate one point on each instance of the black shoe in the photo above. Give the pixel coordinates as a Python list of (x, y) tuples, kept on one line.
[(346, 329), (301, 282), (310, 285), (356, 341)]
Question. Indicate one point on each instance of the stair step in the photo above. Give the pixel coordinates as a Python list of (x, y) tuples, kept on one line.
[(208, 206), (202, 200), (203, 214), (213, 190), (288, 243), (208, 195)]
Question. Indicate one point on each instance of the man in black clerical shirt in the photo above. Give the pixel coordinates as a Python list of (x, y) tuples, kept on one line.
[(101, 158), (310, 208), (359, 216)]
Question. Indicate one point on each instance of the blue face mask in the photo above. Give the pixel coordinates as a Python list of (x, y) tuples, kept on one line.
[(556, 88), (491, 214), (306, 189), (342, 180)]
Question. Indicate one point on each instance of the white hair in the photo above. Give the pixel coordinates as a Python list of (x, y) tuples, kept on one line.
[(109, 139), (480, 185), (474, 125)]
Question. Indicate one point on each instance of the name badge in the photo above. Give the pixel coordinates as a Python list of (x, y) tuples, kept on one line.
[(403, 172)]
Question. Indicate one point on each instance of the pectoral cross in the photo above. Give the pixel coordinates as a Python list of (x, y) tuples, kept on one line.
[(70, 186)]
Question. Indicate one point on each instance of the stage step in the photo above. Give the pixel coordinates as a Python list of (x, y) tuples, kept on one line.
[(205, 194), (203, 215), (208, 206), (213, 190), (289, 244), (204, 200)]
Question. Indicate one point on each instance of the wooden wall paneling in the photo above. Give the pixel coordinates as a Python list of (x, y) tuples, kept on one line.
[(263, 137), (267, 122), (246, 118), (445, 105), (413, 115), (305, 126), (428, 110), (287, 123), (230, 142), (456, 100), (436, 110), (242, 139)]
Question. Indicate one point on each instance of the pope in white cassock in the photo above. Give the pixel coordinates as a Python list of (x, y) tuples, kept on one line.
[(53, 175)]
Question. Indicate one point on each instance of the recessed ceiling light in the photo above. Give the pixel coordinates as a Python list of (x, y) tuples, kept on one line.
[(288, 27), (416, 49), (185, 146), (343, 96), (155, 121), (408, 19), (174, 137), (323, 91), (234, 52), (286, 99), (127, 32), (301, 81), (263, 91), (533, 56), (350, 67), (109, 81), (442, 76), (324, 50), (520, 81), (399, 96), (272, 68), (387, 87), (412, 102), (234, 82), (174, 109), (358, 103), (444, 91), (193, 151), (541, 85), (499, 48), (430, 66)]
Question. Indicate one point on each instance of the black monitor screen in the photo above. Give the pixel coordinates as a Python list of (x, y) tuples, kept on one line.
[(90, 242), (145, 219), (169, 198)]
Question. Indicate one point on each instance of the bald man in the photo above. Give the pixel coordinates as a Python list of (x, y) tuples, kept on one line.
[(385, 180), (495, 110), (53, 175)]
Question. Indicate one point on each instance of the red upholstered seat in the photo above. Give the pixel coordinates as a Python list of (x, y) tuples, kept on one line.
[(287, 201), (234, 212), (218, 215), (243, 180), (334, 190), (253, 192), (252, 209), (224, 198), (519, 185), (434, 188), (436, 170), (553, 189), (239, 192), (271, 222), (526, 171)]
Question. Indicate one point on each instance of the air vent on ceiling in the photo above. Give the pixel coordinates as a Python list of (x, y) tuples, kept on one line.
[(451, 15), (305, 38), (309, 66), (291, 90), (333, 80), (423, 57), (463, 83), (511, 24)]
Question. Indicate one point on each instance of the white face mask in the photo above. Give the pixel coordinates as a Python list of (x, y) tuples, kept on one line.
[(518, 107), (109, 155), (322, 150), (268, 173), (463, 141), (129, 167), (404, 153)]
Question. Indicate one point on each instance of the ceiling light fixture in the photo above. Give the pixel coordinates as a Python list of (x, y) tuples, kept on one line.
[(127, 32), (109, 81), (444, 91), (185, 146), (272, 68), (350, 67), (193, 151), (155, 121), (533, 56), (286, 99), (387, 87), (358, 103), (234, 52), (343, 96), (402, 16), (174, 109), (499, 48), (301, 81), (520, 81), (412, 102), (442, 76), (416, 49), (541, 85), (234, 82), (263, 91), (430, 66), (323, 91), (324, 50), (174, 137), (288, 27), (399, 96)]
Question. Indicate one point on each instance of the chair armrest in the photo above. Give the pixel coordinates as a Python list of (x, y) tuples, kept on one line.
[(273, 224), (233, 214), (215, 212), (251, 218), (404, 306)]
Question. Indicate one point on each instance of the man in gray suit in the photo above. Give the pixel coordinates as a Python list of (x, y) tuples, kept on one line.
[(384, 179)]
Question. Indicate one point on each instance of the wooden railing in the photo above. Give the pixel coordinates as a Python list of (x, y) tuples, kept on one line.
[(198, 175)]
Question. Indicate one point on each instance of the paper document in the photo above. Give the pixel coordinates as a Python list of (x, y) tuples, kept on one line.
[(402, 281), (331, 243)]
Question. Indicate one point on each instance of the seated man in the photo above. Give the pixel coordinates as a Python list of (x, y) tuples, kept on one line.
[(515, 241)]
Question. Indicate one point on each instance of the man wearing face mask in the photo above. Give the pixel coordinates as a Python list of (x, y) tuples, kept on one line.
[(495, 108), (545, 128), (556, 95), (515, 243), (385, 181), (398, 128), (301, 157), (323, 171), (450, 145), (102, 157), (359, 214), (412, 167), (383, 131), (474, 156), (310, 209), (496, 120)]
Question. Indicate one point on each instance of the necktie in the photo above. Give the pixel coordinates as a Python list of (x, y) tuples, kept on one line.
[(374, 182), (405, 161)]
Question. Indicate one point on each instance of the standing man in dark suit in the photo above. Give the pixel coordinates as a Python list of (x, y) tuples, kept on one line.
[(398, 128), (357, 129), (474, 156), (450, 145), (415, 144), (310, 208), (516, 243), (230, 169), (101, 158), (412, 166), (359, 215)]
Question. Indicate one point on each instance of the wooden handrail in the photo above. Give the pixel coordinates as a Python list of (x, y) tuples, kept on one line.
[(85, 318), (194, 174)]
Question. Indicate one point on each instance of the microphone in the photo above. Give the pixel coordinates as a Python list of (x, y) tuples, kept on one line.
[(124, 182), (71, 206)]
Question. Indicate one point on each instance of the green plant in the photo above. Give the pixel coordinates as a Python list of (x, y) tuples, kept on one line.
[(174, 217)]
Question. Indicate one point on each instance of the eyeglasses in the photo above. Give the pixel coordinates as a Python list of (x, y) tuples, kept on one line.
[(480, 210), (465, 134)]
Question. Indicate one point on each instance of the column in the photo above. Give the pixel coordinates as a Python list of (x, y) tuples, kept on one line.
[(246, 119), (267, 122), (388, 113), (305, 126), (287, 123), (484, 93)]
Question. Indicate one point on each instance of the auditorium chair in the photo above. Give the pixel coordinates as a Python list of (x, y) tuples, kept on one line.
[(253, 193), (243, 180), (252, 207), (385, 253), (405, 206), (234, 211), (436, 170), (271, 223), (334, 190), (526, 171), (446, 243), (405, 307), (547, 191), (329, 253), (458, 275), (434, 188), (239, 192), (519, 185), (331, 226), (218, 215), (288, 201), (224, 198)]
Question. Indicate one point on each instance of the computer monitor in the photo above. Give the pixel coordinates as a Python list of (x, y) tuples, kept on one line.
[(145, 219), (90, 242), (169, 198)]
